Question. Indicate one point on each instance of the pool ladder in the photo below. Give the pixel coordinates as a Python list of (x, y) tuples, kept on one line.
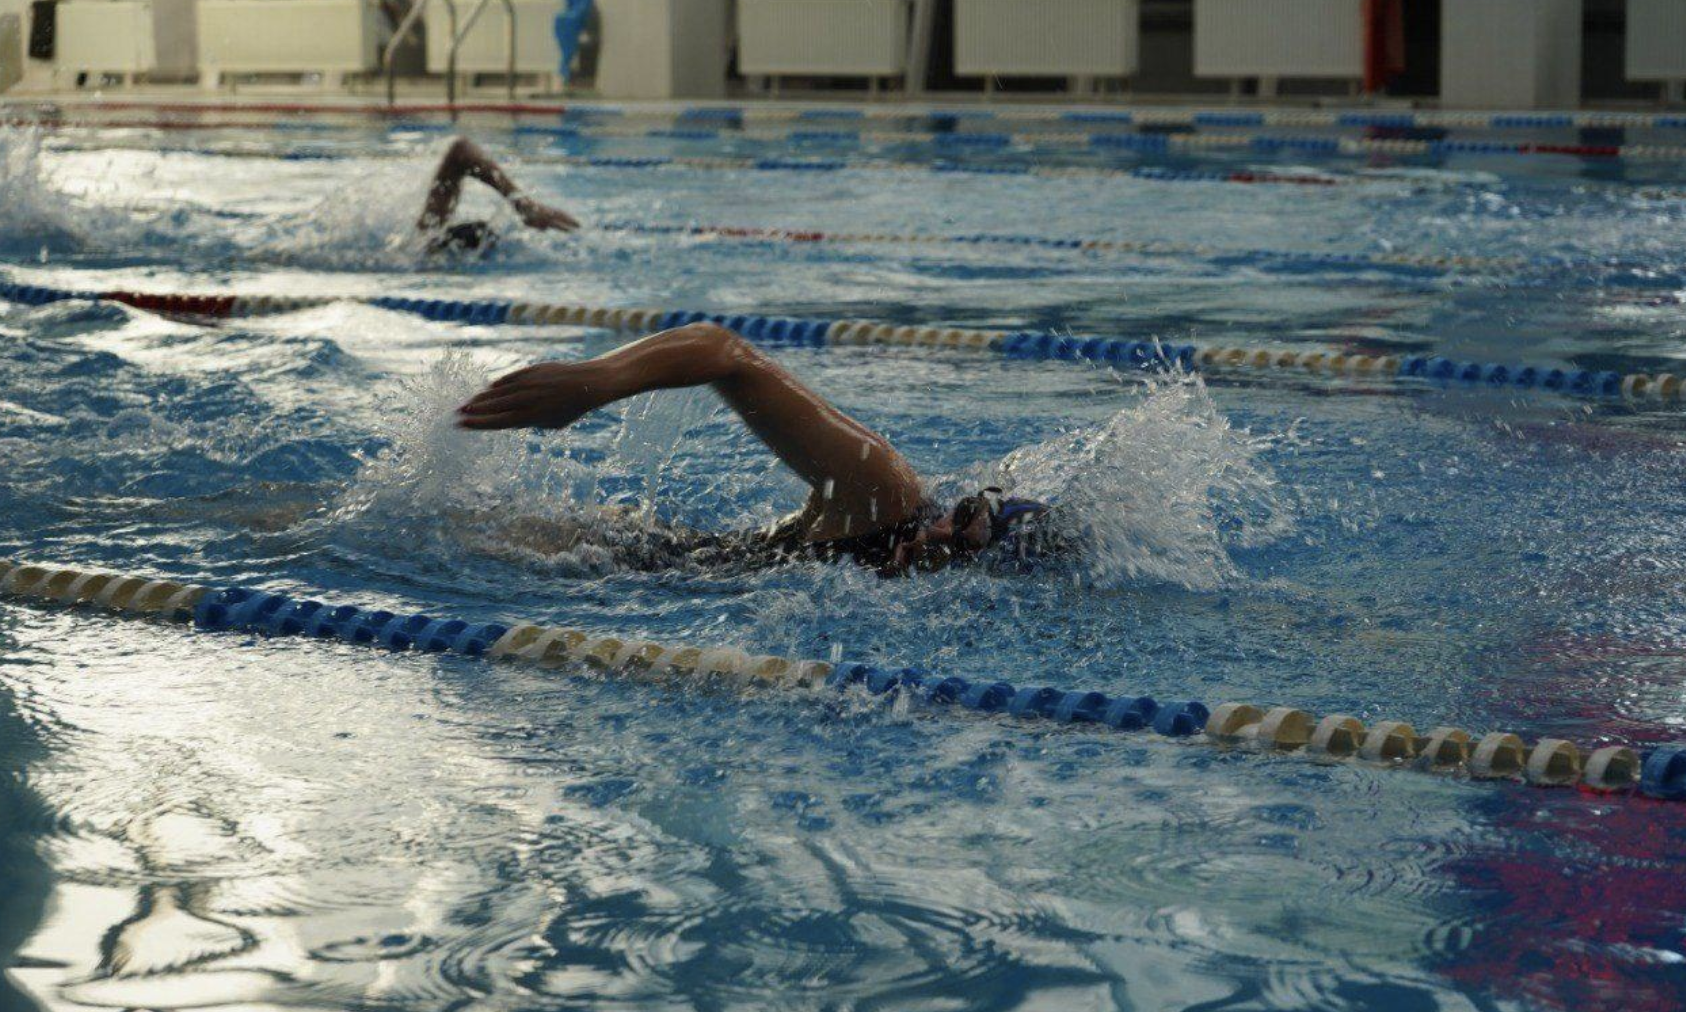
[(413, 18)]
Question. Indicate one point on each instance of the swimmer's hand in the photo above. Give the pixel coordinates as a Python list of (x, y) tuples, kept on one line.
[(550, 395), (543, 216)]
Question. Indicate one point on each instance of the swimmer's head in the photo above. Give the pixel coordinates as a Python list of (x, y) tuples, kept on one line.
[(991, 519), (469, 237), (986, 522)]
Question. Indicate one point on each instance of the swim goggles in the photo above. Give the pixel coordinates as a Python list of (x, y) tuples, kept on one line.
[(1005, 513)]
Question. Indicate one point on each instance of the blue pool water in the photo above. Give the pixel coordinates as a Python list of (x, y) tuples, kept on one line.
[(198, 821)]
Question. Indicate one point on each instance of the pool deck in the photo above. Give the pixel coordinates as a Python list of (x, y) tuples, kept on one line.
[(426, 95)]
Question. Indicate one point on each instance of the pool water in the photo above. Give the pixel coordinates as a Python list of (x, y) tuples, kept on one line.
[(203, 821)]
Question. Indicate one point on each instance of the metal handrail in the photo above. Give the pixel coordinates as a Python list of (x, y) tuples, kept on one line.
[(417, 8), (457, 37)]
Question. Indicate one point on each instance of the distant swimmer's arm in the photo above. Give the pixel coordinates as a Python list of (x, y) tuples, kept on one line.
[(464, 160), (860, 481)]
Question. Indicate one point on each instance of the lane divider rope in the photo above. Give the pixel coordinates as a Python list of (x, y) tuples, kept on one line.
[(1154, 143), (986, 141), (1659, 773), (778, 331), (1151, 247), (1147, 173), (1216, 117)]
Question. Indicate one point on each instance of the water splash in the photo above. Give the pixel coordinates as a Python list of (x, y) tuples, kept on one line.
[(652, 430), (1160, 492), (368, 224), (37, 217), (538, 503)]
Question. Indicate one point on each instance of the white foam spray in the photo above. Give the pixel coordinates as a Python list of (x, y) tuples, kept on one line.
[(512, 496), (41, 218), (368, 223), (1160, 492)]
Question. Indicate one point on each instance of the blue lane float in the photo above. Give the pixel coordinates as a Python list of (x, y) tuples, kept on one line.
[(1380, 135), (242, 609), (1663, 776), (1124, 713), (1148, 356)]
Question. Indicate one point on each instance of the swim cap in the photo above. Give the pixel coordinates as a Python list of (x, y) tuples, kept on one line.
[(1010, 513)]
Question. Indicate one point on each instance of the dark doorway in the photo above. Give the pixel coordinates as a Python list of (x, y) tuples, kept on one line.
[(1422, 51)]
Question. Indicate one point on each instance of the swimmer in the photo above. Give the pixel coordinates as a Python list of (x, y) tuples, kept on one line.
[(464, 159), (867, 502)]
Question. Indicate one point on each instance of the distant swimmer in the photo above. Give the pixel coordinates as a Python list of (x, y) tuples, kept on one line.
[(464, 160), (867, 503)]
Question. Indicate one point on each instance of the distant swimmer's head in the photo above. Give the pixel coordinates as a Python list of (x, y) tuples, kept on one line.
[(986, 523), (469, 238)]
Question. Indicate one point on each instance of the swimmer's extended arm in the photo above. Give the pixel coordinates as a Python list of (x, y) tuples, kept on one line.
[(860, 482), (465, 160)]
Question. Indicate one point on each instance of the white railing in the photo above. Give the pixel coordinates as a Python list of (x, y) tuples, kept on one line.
[(846, 38), (328, 37), (1279, 38), (1099, 38)]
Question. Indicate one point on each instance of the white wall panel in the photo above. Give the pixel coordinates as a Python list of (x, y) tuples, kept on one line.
[(11, 49), (1656, 40), (484, 48), (843, 37), (157, 37), (662, 49), (1279, 38), (110, 36), (1047, 37), (1510, 54), (288, 36)]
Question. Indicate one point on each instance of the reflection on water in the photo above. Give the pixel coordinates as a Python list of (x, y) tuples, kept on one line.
[(263, 837), (232, 826), (22, 873)]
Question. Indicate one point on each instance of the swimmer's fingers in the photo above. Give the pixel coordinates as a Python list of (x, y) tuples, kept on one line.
[(508, 378), (550, 395), (504, 420), (498, 399)]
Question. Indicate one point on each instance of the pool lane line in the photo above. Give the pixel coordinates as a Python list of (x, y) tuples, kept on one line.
[(1149, 247), (1149, 173), (1153, 143), (778, 331), (1043, 143), (801, 165), (1550, 762), (1649, 300), (1092, 114)]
